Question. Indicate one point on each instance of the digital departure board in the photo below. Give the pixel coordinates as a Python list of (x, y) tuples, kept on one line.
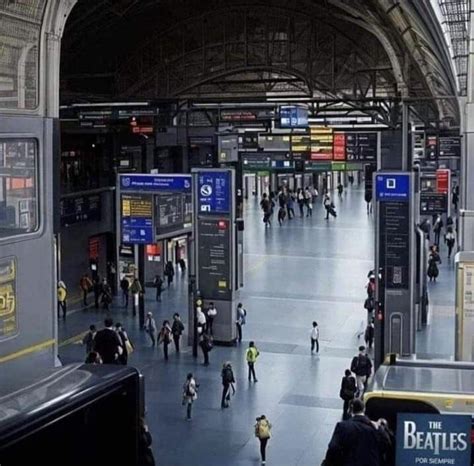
[(321, 143)]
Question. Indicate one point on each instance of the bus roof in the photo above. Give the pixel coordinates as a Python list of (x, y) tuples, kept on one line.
[(419, 377)]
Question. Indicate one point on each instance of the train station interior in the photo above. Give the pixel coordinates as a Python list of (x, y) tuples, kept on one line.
[(302, 167)]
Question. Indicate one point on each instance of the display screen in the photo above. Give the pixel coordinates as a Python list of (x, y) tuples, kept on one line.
[(293, 117), (214, 192)]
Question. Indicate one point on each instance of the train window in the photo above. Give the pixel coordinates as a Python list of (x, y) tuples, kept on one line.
[(18, 187)]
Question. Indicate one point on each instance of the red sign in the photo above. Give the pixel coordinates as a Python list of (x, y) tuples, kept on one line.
[(94, 243), (339, 146), (443, 176), (153, 250), (142, 129)]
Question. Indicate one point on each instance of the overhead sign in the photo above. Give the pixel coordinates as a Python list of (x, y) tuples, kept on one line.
[(214, 192), (433, 203), (392, 187), (155, 183), (80, 209), (433, 439)]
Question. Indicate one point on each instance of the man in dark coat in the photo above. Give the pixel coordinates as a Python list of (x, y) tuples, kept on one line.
[(357, 441), (107, 343)]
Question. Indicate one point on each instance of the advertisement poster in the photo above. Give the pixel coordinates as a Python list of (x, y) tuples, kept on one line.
[(433, 439)]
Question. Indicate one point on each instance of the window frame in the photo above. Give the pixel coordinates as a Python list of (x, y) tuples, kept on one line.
[(39, 188)]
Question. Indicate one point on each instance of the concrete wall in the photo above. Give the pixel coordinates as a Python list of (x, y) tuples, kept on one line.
[(75, 244)]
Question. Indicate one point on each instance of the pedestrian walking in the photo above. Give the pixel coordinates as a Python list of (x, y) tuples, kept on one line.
[(315, 337), (433, 260), (241, 320), (340, 189), (450, 239), (357, 441), (368, 200), (329, 206), (125, 343), (169, 273), (228, 382), (437, 227), (266, 206), (361, 366), (158, 283), (308, 202), (165, 337), (455, 197), (85, 283), (107, 343), (190, 389), (62, 299), (211, 315), (125, 286), (300, 199), (177, 330), (182, 265), (136, 290), (281, 215), (106, 295), (347, 393), (206, 345), (150, 328), (88, 340), (251, 355), (369, 334), (97, 285), (290, 205), (201, 320), (263, 433)]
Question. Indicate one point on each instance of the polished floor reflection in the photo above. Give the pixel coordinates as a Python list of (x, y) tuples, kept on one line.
[(308, 269)]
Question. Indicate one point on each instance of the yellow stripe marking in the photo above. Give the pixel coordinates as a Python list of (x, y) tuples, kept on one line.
[(28, 350), (73, 339)]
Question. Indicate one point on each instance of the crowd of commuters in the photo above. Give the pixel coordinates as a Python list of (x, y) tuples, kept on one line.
[(286, 199)]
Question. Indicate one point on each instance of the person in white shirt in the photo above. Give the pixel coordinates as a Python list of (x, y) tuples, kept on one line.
[(315, 338), (211, 314), (201, 319)]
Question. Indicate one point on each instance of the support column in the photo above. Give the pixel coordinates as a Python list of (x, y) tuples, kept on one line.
[(466, 233)]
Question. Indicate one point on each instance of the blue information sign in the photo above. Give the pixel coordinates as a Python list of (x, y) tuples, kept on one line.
[(214, 192), (155, 183), (429, 439), (137, 231), (392, 187)]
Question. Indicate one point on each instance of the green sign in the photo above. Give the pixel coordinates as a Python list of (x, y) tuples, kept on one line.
[(313, 166), (338, 166)]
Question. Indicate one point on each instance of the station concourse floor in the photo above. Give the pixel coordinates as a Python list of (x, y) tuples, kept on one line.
[(308, 269)]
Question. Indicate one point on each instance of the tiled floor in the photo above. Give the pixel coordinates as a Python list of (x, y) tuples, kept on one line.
[(309, 269)]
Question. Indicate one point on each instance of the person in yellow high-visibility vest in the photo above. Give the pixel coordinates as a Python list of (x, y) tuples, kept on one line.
[(62, 295), (252, 355)]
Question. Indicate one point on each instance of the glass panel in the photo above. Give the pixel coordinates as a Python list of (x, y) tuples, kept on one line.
[(18, 187), (20, 27)]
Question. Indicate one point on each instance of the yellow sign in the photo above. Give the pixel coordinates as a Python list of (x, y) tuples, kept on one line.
[(8, 302)]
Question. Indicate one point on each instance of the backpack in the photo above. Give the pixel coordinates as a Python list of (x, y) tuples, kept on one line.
[(189, 389), (369, 304), (360, 365), (228, 375), (348, 391), (263, 429)]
